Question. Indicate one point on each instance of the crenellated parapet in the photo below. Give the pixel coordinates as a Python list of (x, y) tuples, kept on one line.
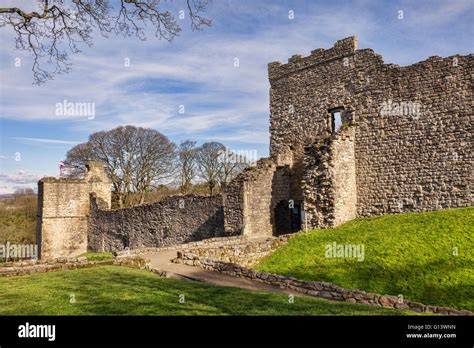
[(342, 48)]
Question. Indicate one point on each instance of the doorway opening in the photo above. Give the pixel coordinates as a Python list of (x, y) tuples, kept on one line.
[(287, 217)]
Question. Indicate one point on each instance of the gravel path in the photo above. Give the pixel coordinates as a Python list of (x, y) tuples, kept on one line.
[(161, 261)]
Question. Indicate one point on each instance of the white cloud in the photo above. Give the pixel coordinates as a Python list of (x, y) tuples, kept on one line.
[(245, 136), (429, 15), (21, 177), (46, 141), (5, 190)]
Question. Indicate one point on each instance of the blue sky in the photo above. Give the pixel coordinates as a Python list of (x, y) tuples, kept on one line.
[(222, 102)]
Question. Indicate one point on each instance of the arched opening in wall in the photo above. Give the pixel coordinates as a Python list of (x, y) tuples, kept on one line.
[(287, 217)]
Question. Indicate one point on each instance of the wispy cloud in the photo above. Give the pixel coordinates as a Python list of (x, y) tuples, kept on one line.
[(435, 13), (247, 137), (46, 141), (21, 177)]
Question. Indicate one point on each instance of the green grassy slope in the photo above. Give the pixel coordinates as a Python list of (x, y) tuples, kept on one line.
[(114, 290), (410, 254)]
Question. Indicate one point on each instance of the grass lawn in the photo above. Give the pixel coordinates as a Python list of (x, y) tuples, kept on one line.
[(98, 256), (114, 290), (410, 254)]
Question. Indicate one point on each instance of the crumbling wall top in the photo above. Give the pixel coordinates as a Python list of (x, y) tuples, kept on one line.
[(341, 48), (96, 170)]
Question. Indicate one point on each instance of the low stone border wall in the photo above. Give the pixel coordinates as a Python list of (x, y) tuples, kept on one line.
[(312, 288), (242, 251), (211, 243), (37, 266)]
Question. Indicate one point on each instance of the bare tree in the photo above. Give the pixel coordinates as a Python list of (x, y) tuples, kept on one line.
[(22, 191), (100, 147), (231, 164), (187, 154), (136, 159), (154, 161), (61, 25), (209, 163)]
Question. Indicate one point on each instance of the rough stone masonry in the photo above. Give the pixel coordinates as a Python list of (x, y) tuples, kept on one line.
[(349, 136), (63, 211), (74, 217)]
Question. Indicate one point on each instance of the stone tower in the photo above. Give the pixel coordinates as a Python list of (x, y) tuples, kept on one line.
[(352, 136), (63, 211)]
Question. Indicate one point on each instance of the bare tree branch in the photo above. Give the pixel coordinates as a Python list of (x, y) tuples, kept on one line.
[(61, 25)]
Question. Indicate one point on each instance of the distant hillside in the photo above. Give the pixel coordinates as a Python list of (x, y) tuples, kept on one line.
[(18, 219), (6, 196)]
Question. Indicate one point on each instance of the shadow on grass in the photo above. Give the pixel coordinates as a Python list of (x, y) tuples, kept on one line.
[(111, 290)]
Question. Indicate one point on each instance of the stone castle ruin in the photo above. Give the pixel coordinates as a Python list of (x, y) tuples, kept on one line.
[(63, 211), (350, 136)]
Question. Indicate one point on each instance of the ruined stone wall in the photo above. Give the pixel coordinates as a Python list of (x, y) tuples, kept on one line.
[(343, 171), (251, 198), (242, 251), (419, 159), (318, 185), (173, 220), (248, 201), (301, 94), (63, 210), (415, 162), (329, 180)]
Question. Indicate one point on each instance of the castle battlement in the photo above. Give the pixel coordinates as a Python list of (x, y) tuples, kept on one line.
[(342, 48)]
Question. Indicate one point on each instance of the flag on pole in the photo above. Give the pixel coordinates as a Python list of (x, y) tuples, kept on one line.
[(61, 166)]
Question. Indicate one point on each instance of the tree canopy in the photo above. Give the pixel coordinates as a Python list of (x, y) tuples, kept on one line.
[(142, 160)]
